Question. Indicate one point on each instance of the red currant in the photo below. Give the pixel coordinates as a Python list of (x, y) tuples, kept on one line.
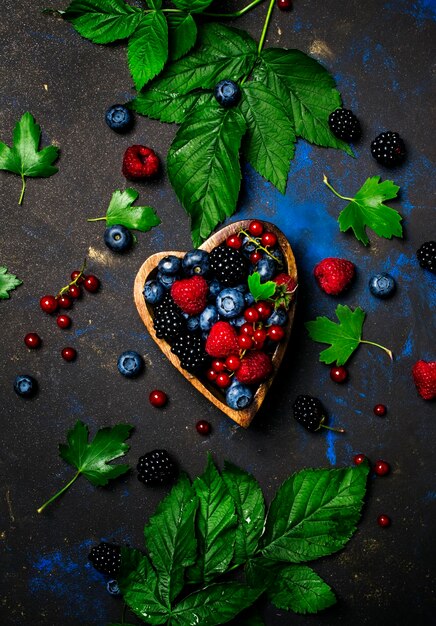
[(255, 228), (234, 241), (359, 459), (251, 314), (63, 321), (211, 375), (203, 427), (255, 257), (91, 283), (380, 410), (276, 333), (259, 335), (48, 304), (69, 354), (338, 374), (233, 362), (218, 366), (75, 274), (264, 309), (384, 521), (245, 342), (381, 468), (284, 5), (223, 380), (158, 398), (74, 291), (247, 329), (32, 340), (269, 240), (65, 302)]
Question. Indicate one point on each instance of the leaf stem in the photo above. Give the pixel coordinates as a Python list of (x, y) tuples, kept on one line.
[(95, 219), (371, 343), (326, 182), (265, 27), (237, 13), (23, 188), (61, 491)]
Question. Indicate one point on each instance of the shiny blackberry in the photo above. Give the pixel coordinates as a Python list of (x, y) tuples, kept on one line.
[(228, 265), (156, 468), (345, 125), (106, 558), (168, 319), (426, 256), (388, 149), (191, 352)]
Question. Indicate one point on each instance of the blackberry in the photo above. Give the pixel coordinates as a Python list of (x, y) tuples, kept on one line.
[(309, 412), (106, 558), (191, 352), (156, 468), (168, 319), (228, 265), (345, 125), (426, 256), (388, 149)]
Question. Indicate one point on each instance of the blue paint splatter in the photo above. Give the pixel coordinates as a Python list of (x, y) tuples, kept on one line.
[(331, 452), (408, 345), (82, 331), (420, 10), (430, 496)]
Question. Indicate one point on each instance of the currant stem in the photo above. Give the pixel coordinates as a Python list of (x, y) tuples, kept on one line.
[(60, 492), (95, 219), (265, 27), (326, 182), (377, 345), (23, 188), (259, 246), (237, 13), (73, 282)]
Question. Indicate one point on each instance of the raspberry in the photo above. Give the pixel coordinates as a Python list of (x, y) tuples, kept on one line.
[(426, 256), (344, 125), (140, 162), (190, 350), (106, 558), (285, 290), (156, 468), (334, 275), (255, 367), (228, 265), (222, 340), (190, 294), (388, 149), (424, 376)]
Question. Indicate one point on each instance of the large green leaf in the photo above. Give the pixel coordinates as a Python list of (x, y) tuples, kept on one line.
[(203, 166), (269, 142), (167, 106), (148, 48), (310, 90), (182, 31), (250, 509), (195, 6), (216, 526), (314, 513), (170, 538), (103, 21), (298, 588)]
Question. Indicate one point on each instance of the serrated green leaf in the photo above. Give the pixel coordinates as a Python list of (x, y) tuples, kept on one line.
[(170, 538), (139, 585), (182, 33), (260, 291), (103, 21), (298, 588), (269, 144), (121, 211), (167, 106), (147, 51), (309, 89), (194, 6), (314, 513), (154, 4), (8, 282), (250, 509), (203, 166), (216, 526)]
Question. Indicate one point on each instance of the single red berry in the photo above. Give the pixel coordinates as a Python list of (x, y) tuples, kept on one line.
[(91, 284), (259, 335), (359, 459), (338, 374), (384, 521), (264, 309), (202, 427), (269, 240), (255, 257), (251, 314), (223, 380), (48, 304), (75, 274), (284, 5), (218, 366), (140, 163), (245, 342), (247, 329), (381, 468), (32, 340), (158, 398), (276, 333), (211, 375), (69, 354), (233, 362), (63, 321), (74, 291), (380, 410), (255, 228), (65, 302), (234, 241)]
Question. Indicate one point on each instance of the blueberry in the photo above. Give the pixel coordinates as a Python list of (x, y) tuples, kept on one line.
[(242, 288), (113, 588), (227, 93), (118, 238), (153, 292), (119, 118), (25, 386), (238, 396), (248, 246), (166, 281), (214, 288), (237, 322), (230, 303), (249, 299), (169, 265), (208, 317), (196, 262), (278, 255), (382, 285), (192, 322), (278, 317), (130, 364), (267, 268)]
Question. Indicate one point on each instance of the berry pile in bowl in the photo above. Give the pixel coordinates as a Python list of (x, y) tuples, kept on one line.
[(223, 313)]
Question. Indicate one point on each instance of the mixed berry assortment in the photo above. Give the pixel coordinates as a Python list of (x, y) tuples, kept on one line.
[(202, 306)]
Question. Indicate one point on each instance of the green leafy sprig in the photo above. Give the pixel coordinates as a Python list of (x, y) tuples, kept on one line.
[(8, 282), (121, 211), (261, 291)]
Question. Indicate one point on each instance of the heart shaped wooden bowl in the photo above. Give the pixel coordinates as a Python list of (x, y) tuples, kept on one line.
[(212, 393)]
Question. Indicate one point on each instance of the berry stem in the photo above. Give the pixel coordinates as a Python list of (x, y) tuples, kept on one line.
[(335, 430), (73, 282), (23, 188), (258, 245), (61, 491), (326, 182), (95, 219), (388, 352)]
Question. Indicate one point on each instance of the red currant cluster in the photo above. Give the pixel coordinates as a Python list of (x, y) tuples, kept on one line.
[(263, 240), (381, 468)]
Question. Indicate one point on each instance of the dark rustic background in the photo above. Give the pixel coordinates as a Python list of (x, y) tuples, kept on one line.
[(380, 54)]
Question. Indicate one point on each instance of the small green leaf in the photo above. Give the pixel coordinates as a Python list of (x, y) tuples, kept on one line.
[(194, 6), (121, 211), (298, 588), (260, 291), (103, 21), (148, 48), (182, 32), (8, 282), (167, 106)]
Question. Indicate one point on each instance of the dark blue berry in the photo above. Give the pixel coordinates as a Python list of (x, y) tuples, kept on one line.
[(266, 268), (230, 303), (208, 317), (169, 265), (227, 93), (214, 288), (277, 318), (196, 263), (165, 280), (25, 386), (153, 292), (239, 396), (237, 322), (248, 246), (118, 238), (119, 118), (241, 288), (113, 588), (382, 285), (192, 322), (249, 299), (130, 364)]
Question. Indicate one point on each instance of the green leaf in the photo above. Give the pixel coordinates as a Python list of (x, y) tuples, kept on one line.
[(8, 282), (23, 157), (250, 509), (213, 605), (182, 32), (170, 538), (121, 211), (139, 585), (154, 4), (269, 142), (103, 21), (366, 210), (314, 513), (203, 166), (167, 106), (260, 291), (305, 84), (194, 6), (298, 588), (216, 526), (148, 48)]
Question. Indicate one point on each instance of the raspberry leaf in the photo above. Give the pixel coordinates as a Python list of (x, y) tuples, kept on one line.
[(103, 21), (314, 513), (182, 31), (170, 538), (203, 166), (269, 144), (298, 588), (195, 6), (158, 103), (23, 157), (121, 211), (367, 210), (148, 48), (8, 282), (260, 291), (154, 4)]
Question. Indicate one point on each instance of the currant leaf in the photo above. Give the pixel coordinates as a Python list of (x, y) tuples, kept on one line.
[(103, 21), (260, 291), (148, 48), (121, 211), (8, 282)]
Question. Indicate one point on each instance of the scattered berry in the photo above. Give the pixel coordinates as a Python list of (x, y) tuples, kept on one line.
[(77, 275), (113, 588), (65, 302), (255, 228), (196, 262), (69, 354), (190, 294), (227, 93), (74, 291), (309, 412), (230, 303), (382, 285), (381, 468), (359, 459), (130, 364), (158, 398), (25, 386), (424, 376), (229, 266), (234, 241), (32, 340), (222, 340), (338, 374), (380, 410), (388, 149), (48, 304), (284, 5), (139, 163), (156, 468), (203, 427), (118, 238), (190, 350), (91, 283), (119, 118), (345, 125), (255, 367), (63, 321), (334, 275), (239, 396), (426, 256), (106, 558), (384, 521)]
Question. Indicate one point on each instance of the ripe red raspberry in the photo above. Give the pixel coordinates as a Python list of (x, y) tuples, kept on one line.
[(424, 376), (255, 367), (140, 162), (190, 294), (222, 340), (285, 290), (334, 275)]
